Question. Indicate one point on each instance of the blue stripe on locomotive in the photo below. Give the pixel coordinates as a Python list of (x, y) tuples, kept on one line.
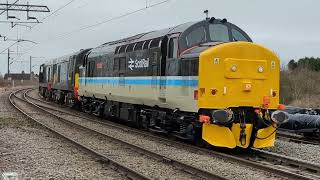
[(139, 81)]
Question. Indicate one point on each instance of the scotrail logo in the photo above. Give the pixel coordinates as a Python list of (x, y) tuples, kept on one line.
[(136, 64), (131, 64)]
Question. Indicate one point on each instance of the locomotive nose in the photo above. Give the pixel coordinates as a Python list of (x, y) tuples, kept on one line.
[(239, 74)]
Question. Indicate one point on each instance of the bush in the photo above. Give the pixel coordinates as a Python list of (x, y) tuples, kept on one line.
[(306, 62), (299, 86), (2, 81)]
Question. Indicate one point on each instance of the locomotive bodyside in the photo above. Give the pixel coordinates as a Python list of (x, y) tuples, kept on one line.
[(59, 77), (188, 84), (196, 81)]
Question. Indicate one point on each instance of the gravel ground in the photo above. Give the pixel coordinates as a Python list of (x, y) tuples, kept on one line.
[(36, 153), (216, 165), (145, 165), (306, 152), (300, 151)]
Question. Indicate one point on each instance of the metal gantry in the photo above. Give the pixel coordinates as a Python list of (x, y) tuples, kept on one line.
[(23, 7), (7, 7), (15, 7), (31, 65), (17, 41)]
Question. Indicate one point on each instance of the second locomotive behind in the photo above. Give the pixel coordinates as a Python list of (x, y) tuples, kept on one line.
[(197, 81)]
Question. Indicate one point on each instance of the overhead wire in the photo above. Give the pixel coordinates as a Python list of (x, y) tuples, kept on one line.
[(111, 19), (8, 47), (54, 12), (1, 14), (64, 35), (9, 6), (46, 17)]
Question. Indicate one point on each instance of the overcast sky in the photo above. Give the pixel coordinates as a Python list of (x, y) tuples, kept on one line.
[(290, 28)]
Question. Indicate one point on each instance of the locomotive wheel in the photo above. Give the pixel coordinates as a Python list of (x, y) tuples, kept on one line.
[(191, 132), (197, 134), (144, 122)]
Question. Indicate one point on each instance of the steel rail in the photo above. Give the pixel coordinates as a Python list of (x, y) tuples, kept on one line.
[(287, 136), (291, 173), (178, 164), (303, 165), (131, 174)]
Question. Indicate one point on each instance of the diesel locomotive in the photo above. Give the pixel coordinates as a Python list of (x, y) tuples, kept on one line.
[(202, 81)]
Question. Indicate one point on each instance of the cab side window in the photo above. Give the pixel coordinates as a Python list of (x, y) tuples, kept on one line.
[(91, 69), (238, 36), (41, 78), (49, 74), (59, 73), (219, 32), (190, 67), (173, 48), (196, 37)]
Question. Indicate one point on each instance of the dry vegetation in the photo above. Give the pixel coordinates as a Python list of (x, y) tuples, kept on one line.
[(5, 84), (300, 87), (2, 82)]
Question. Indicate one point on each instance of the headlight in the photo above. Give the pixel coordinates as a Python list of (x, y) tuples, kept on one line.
[(234, 68), (260, 69), (280, 117), (221, 117)]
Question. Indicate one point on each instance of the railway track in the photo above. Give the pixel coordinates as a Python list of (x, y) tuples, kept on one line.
[(292, 137), (126, 170), (263, 160), (310, 168), (76, 133), (281, 134)]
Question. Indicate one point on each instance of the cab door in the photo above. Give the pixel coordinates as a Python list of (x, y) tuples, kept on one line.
[(169, 51), (41, 74), (162, 65)]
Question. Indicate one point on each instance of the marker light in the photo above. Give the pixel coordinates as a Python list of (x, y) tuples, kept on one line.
[(214, 91), (234, 68), (204, 119), (266, 101), (260, 69), (281, 107)]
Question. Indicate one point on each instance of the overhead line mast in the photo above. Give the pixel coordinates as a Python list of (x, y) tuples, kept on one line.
[(6, 7), (14, 7), (64, 35), (23, 7), (10, 6)]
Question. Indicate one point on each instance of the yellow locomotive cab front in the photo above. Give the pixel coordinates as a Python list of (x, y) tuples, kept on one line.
[(242, 77)]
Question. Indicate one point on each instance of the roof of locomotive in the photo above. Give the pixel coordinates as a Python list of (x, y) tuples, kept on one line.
[(152, 34), (64, 58), (111, 46), (58, 60)]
